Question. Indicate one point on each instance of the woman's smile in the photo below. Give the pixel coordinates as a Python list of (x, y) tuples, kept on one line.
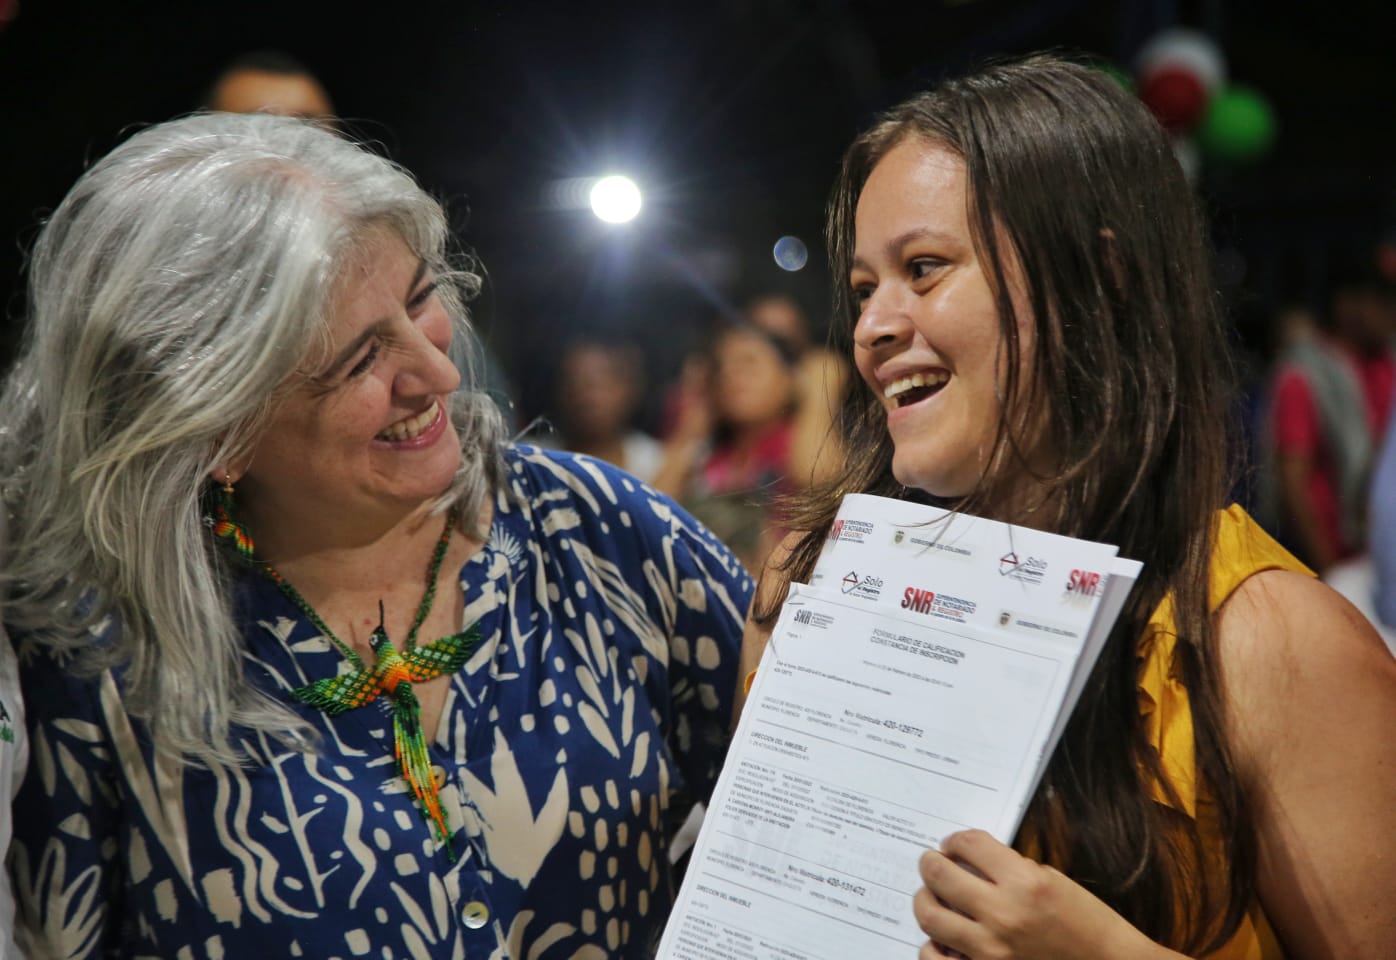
[(904, 391), (419, 430)]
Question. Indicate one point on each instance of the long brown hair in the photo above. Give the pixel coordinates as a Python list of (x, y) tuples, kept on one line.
[(1070, 175)]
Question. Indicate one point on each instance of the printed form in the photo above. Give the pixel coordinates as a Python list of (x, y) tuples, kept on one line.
[(908, 696), (1030, 588)]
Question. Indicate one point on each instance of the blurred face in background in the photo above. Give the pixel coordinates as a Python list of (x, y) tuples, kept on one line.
[(283, 94), (753, 385), (1364, 315), (782, 318), (597, 392)]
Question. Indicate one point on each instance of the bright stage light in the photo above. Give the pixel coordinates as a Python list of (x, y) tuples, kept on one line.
[(615, 199)]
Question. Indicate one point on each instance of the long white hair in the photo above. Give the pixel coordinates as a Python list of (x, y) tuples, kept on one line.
[(174, 294)]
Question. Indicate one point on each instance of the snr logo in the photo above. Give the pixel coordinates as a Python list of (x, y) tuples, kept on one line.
[(1083, 583), (918, 601)]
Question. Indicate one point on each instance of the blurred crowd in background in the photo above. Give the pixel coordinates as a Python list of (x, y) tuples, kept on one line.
[(718, 387)]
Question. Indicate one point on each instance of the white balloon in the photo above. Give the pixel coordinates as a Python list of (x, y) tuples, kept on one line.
[(1192, 50)]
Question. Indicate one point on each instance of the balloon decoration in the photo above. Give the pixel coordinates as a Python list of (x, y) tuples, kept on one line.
[(1239, 126), (1188, 51), (1180, 75), (1175, 95)]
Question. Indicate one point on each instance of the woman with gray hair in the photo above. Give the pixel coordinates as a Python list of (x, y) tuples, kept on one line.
[(318, 663)]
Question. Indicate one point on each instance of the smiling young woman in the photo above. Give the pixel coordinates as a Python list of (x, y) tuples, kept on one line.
[(927, 337), (1025, 293)]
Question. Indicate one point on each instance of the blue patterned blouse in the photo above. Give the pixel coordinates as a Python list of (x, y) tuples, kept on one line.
[(603, 685)]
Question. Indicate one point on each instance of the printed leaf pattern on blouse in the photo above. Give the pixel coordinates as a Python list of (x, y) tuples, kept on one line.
[(610, 624)]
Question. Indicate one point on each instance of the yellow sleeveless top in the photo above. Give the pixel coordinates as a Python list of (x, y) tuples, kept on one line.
[(1241, 549)]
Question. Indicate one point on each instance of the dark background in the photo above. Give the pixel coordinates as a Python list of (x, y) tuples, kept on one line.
[(731, 115)]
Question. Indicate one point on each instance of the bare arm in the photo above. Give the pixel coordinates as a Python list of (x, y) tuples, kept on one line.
[(1312, 695), (1311, 691), (815, 451), (754, 637), (687, 443)]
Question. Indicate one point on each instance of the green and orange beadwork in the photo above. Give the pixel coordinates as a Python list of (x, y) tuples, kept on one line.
[(393, 673), (227, 529)]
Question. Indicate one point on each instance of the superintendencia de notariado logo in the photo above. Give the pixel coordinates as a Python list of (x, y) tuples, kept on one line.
[(850, 531), (941, 605)]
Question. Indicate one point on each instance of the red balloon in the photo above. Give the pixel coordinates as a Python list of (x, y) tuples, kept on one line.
[(1186, 49), (1176, 96)]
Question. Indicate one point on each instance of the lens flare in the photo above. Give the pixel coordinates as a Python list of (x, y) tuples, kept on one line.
[(615, 199)]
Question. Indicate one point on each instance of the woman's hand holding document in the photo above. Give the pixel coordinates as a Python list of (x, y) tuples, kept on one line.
[(1032, 350), (911, 691)]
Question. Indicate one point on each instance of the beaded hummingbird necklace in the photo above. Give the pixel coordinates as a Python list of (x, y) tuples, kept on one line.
[(392, 673)]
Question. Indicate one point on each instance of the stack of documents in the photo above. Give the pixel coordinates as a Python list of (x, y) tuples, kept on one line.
[(915, 687)]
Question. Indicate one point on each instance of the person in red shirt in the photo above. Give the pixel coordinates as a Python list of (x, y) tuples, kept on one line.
[(1330, 400)]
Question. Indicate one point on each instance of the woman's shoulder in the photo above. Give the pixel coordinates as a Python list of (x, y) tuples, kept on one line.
[(610, 529), (1303, 674), (60, 685), (600, 497), (1278, 621), (536, 471), (1241, 550), (598, 491), (1310, 690)]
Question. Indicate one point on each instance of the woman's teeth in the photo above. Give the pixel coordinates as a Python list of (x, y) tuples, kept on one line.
[(412, 426), (929, 380)]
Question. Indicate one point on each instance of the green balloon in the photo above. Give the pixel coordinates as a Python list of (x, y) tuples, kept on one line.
[(1239, 125)]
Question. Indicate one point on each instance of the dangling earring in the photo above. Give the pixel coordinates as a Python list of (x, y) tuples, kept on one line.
[(225, 527)]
